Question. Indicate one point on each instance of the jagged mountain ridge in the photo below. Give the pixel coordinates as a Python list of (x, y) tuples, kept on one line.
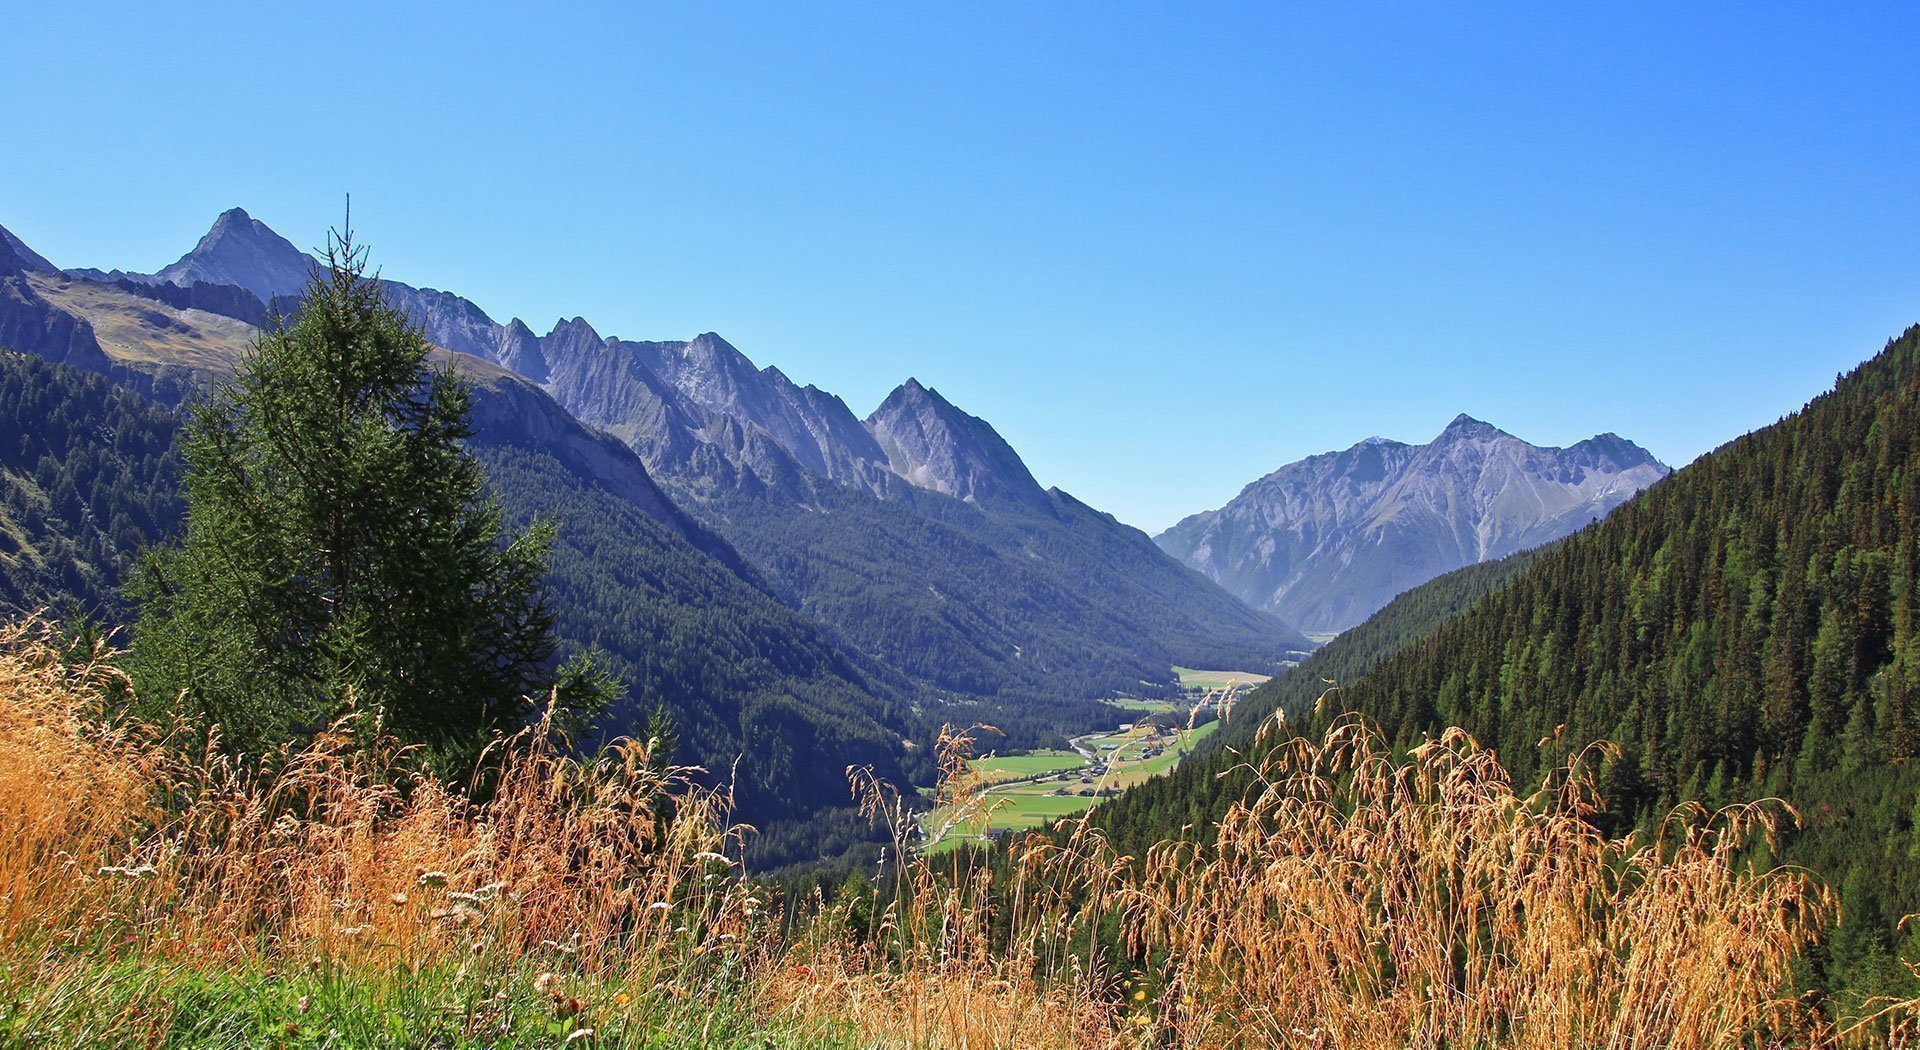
[(763, 461), (688, 622), (1326, 541)]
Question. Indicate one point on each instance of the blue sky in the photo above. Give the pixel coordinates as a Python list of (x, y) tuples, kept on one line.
[(1163, 249)]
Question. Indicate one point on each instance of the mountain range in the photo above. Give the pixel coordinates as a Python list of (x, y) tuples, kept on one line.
[(803, 589), (687, 623), (1327, 541), (917, 533)]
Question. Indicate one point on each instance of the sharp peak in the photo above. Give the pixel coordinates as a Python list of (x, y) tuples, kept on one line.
[(236, 224), (234, 219), (715, 344), (914, 388), (1465, 424), (573, 324)]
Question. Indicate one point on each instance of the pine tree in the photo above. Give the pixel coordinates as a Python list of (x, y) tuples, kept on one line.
[(342, 547)]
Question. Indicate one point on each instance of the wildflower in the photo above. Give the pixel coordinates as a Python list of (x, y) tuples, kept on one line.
[(620, 999), (545, 982), (300, 1005), (399, 898)]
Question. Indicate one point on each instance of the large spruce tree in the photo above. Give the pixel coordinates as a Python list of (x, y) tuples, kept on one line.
[(342, 547)]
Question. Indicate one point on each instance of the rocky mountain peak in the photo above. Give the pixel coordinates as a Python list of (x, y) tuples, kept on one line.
[(1466, 427), (241, 250), (574, 332), (1611, 449), (937, 446), (1328, 540)]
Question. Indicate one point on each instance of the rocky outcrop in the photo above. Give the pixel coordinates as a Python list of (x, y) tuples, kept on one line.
[(936, 446), (227, 300), (1327, 541)]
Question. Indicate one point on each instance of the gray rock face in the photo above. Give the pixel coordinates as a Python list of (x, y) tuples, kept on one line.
[(813, 427), (241, 250), (1329, 540), (936, 446), (509, 410)]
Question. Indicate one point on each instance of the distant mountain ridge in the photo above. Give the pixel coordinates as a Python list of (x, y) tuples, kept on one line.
[(1327, 541)]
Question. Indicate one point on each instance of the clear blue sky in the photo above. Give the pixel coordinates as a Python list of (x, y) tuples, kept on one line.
[(1164, 249)]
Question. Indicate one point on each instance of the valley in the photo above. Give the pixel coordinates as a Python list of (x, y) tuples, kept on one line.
[(960, 527), (1003, 793)]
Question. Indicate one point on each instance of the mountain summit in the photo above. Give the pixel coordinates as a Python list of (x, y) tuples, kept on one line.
[(936, 446), (1328, 540), (241, 250)]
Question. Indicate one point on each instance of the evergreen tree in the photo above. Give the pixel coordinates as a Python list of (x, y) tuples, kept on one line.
[(342, 547)]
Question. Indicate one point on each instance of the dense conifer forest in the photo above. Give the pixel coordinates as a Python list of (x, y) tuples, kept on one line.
[(1744, 629), (1183, 804), (88, 478)]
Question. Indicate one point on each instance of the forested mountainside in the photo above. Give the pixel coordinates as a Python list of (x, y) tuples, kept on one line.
[(688, 624), (901, 562), (1326, 541), (1184, 803), (920, 506), (1746, 628), (88, 477)]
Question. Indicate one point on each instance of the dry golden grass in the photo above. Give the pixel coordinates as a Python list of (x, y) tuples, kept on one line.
[(1355, 899), (112, 844)]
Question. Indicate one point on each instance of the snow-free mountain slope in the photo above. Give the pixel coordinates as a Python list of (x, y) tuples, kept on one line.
[(1326, 541), (241, 250), (889, 530), (936, 446), (688, 623), (23, 257)]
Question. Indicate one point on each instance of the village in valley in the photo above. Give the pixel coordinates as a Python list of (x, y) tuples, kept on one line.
[(1006, 793)]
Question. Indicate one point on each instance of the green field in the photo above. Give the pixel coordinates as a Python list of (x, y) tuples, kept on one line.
[(1194, 678), (1029, 804), (1013, 767), (1156, 707)]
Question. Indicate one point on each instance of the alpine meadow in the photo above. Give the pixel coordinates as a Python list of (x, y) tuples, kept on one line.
[(1484, 613)]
